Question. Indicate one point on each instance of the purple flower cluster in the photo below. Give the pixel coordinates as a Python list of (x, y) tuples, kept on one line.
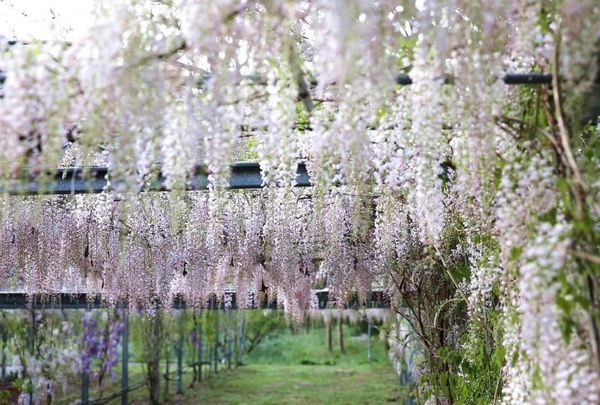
[(89, 342), (194, 338), (101, 344), (110, 346)]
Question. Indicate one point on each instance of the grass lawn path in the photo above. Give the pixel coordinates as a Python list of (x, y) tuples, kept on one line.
[(267, 384)]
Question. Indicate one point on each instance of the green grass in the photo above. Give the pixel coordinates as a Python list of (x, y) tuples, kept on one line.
[(298, 369), (311, 348), (288, 369), (296, 384)]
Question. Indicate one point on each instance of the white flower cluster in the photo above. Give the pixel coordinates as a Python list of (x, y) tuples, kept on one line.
[(52, 366), (430, 148), (278, 145), (143, 248), (34, 109), (527, 190), (529, 44), (167, 86), (484, 275), (548, 369), (580, 20)]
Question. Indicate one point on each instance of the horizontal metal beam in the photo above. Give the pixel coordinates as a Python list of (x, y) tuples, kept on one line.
[(244, 175), (527, 78), (405, 80), (77, 180), (508, 78), (17, 300)]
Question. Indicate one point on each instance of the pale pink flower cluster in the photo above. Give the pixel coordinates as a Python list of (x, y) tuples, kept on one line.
[(565, 368), (171, 85)]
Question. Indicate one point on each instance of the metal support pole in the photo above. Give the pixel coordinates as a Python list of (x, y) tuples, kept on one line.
[(229, 353), (200, 347), (125, 358), (31, 331), (242, 342), (26, 301), (155, 357), (180, 354), (216, 352), (370, 350), (4, 342), (228, 340), (85, 388), (329, 338), (209, 360), (85, 381), (341, 335)]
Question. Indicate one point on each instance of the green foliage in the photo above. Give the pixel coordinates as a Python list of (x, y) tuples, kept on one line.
[(310, 347), (249, 152), (259, 325), (474, 369)]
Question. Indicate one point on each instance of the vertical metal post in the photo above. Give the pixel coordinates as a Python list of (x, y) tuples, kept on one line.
[(125, 358), (155, 357), (85, 382), (85, 388), (341, 334), (4, 341), (31, 346), (369, 340), (200, 347), (31, 330), (228, 340), (329, 338), (405, 381), (180, 354), (235, 338), (216, 352), (209, 360), (241, 344)]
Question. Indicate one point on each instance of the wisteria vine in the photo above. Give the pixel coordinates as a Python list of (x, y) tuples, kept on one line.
[(474, 203)]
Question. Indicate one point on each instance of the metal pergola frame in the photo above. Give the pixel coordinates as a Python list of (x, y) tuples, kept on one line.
[(90, 180), (404, 79), (244, 175), (19, 300)]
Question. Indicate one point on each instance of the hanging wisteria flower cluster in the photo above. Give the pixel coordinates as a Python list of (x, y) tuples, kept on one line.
[(472, 202), (100, 344), (130, 248), (47, 365)]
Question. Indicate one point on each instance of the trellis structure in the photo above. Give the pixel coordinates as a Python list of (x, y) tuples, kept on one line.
[(378, 298), (244, 175), (509, 78)]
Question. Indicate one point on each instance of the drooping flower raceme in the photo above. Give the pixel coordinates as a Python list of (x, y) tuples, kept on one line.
[(456, 187)]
